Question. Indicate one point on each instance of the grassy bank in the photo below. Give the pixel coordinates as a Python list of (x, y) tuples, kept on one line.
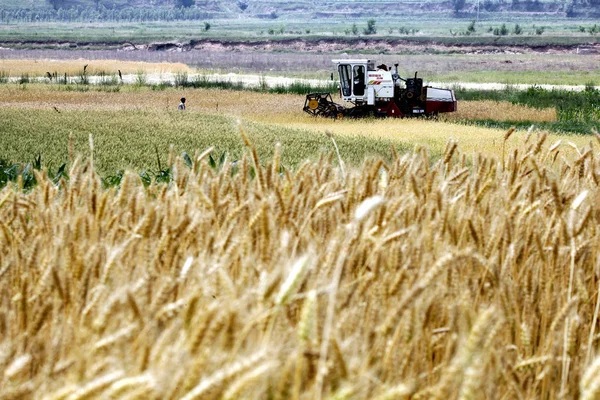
[(577, 112)]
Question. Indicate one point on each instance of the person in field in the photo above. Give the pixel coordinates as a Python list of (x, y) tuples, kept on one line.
[(182, 104)]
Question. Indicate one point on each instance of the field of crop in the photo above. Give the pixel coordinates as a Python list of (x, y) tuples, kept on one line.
[(252, 251), (407, 277), (16, 67), (133, 124)]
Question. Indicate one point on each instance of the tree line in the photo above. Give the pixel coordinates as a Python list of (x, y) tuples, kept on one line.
[(103, 14)]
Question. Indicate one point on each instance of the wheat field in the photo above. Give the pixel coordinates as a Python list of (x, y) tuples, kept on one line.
[(39, 118), (75, 67), (453, 279)]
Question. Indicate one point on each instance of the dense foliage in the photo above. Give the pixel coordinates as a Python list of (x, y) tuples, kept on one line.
[(103, 14)]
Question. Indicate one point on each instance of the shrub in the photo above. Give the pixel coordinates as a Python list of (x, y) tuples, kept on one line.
[(370, 29), (518, 30), (181, 79), (140, 79), (471, 27)]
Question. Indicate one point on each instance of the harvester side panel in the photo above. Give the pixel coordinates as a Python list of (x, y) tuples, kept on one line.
[(439, 100)]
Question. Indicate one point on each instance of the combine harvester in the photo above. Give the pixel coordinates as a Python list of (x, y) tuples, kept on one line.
[(379, 92)]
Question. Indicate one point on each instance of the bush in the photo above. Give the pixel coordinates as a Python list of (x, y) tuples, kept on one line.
[(184, 3), (471, 28), (140, 79), (370, 29), (354, 29), (181, 79), (518, 30), (502, 31), (206, 26), (590, 86)]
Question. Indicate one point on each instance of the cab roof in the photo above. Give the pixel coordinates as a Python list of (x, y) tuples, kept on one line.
[(352, 61)]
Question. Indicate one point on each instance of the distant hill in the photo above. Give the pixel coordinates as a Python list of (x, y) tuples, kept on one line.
[(274, 9)]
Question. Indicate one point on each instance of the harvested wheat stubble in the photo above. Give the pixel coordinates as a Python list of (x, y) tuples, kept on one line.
[(408, 279)]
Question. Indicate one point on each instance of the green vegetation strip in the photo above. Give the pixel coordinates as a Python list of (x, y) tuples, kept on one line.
[(131, 139), (577, 112)]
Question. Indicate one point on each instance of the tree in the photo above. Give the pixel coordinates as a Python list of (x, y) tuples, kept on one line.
[(206, 26), (570, 9), (184, 3), (354, 29), (458, 5), (502, 31), (518, 30), (56, 4), (370, 29), (242, 5), (471, 28)]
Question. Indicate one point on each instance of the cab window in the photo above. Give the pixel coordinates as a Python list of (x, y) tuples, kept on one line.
[(345, 79), (359, 80)]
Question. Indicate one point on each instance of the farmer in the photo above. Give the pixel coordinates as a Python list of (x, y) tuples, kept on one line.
[(181, 105)]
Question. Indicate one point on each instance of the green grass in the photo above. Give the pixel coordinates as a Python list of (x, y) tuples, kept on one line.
[(577, 112), (127, 139), (202, 81), (559, 31), (523, 77)]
